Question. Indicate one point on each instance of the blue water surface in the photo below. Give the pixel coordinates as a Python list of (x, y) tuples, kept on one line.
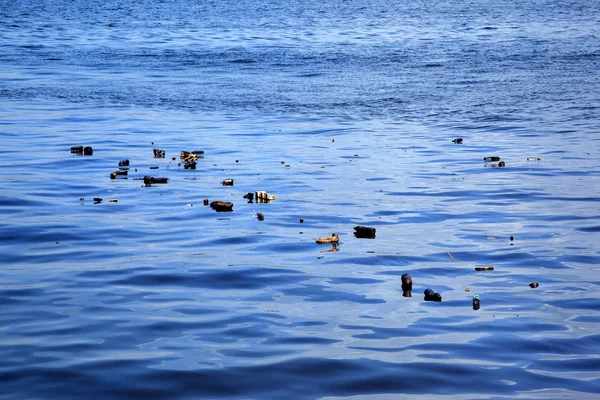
[(346, 112)]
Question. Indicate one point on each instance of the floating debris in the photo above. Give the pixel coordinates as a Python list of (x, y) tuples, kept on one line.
[(431, 295), (484, 268), (364, 232), (97, 200), (332, 239), (113, 201), (191, 155), (450, 255), (124, 163), (457, 140), (154, 167), (476, 303), (158, 153), (406, 285), (263, 197), (533, 285), (113, 175), (301, 220), (492, 158), (260, 216), (190, 165), (227, 182), (150, 180), (205, 202), (220, 206), (249, 196), (86, 151), (534, 159)]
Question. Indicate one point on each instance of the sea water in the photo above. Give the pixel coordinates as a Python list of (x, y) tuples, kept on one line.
[(346, 112)]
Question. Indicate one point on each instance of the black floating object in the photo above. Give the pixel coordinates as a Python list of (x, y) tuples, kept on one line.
[(88, 151), (406, 285), (476, 303), (533, 285), (97, 200), (492, 158), (190, 165), (501, 164), (364, 232), (260, 216), (158, 153), (150, 180), (77, 149), (227, 182), (430, 295), (124, 163), (113, 175), (458, 140)]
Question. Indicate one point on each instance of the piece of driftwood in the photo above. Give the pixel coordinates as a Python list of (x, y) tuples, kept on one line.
[(332, 239), (484, 268)]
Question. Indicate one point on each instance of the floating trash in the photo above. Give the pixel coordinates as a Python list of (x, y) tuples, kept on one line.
[(227, 182), (262, 196), (150, 180), (457, 140), (484, 268), (124, 163), (364, 232), (533, 285), (332, 239), (476, 303), (406, 285), (221, 206), (431, 295), (158, 153), (260, 216), (115, 174), (492, 158)]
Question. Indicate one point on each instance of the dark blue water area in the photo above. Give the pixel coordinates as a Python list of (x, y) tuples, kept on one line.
[(346, 112)]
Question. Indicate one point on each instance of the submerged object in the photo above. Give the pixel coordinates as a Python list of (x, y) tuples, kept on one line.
[(364, 232), (476, 303), (332, 239), (406, 285), (431, 295), (221, 206)]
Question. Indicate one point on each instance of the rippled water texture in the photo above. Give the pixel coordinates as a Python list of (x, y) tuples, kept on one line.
[(346, 111)]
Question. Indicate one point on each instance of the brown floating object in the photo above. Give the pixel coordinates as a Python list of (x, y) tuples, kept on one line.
[(332, 239), (113, 175), (263, 197), (484, 268), (123, 163), (205, 202), (190, 155), (227, 182), (364, 232), (158, 153), (113, 201), (492, 158), (221, 206), (260, 216)]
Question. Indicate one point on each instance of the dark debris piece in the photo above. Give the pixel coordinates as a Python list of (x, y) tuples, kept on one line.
[(431, 295), (115, 174), (124, 163), (533, 285), (150, 180), (457, 141), (221, 206), (158, 153), (364, 232)]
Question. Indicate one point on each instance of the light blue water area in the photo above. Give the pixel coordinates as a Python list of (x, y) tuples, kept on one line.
[(346, 112)]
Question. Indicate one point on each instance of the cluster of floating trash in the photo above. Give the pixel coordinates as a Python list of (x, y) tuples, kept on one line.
[(189, 160)]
